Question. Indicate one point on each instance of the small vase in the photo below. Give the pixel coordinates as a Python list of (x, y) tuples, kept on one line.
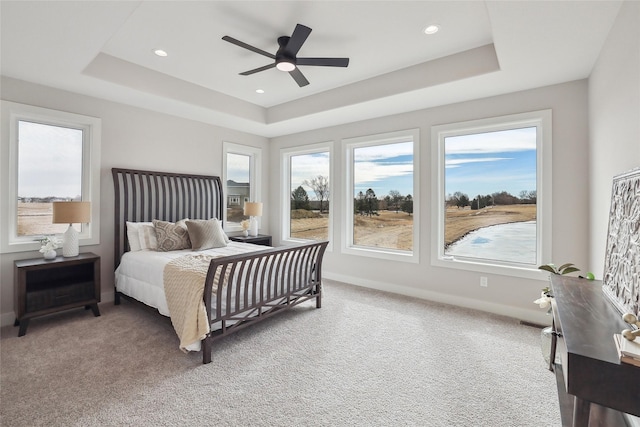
[(50, 254), (245, 233)]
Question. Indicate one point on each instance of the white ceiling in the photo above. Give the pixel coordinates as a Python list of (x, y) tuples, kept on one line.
[(483, 48)]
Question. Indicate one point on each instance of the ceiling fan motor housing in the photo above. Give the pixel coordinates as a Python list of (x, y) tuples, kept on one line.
[(283, 56)]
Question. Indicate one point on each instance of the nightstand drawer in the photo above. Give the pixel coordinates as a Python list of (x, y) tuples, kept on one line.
[(58, 296)]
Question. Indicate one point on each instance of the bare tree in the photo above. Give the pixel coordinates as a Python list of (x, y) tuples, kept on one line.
[(320, 186), (396, 198)]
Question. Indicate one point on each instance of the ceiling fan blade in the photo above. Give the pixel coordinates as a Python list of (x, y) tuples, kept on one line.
[(257, 70), (297, 39), (299, 77), (324, 62), (249, 47)]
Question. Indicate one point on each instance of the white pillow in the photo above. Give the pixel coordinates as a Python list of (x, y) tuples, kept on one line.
[(148, 239), (133, 234)]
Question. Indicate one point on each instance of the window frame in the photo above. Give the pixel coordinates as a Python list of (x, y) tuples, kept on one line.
[(255, 171), (542, 120), (348, 246), (12, 114), (285, 182)]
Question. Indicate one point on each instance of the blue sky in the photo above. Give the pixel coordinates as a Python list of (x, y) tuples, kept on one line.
[(475, 164), (384, 168), (491, 162), (309, 166)]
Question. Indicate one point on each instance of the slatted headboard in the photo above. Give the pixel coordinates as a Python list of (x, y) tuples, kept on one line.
[(144, 196)]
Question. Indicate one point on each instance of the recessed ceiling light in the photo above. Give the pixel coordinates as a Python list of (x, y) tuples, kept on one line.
[(259, 91), (431, 29), (160, 52)]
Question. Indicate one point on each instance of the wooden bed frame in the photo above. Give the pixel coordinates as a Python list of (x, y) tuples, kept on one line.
[(259, 283)]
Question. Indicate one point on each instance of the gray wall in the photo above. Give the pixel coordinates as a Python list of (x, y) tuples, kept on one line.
[(614, 121)]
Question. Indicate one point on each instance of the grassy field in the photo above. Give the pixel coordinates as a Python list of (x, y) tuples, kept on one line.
[(35, 219), (394, 230)]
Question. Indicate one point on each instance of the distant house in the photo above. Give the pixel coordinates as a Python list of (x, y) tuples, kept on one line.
[(237, 193)]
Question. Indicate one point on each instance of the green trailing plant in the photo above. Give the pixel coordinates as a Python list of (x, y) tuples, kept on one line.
[(563, 269)]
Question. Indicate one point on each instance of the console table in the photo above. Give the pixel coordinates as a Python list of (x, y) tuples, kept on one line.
[(594, 387)]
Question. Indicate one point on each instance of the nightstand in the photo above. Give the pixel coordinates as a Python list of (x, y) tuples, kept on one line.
[(47, 286), (260, 239)]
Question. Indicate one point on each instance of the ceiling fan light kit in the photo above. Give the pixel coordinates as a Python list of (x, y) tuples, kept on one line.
[(285, 58)]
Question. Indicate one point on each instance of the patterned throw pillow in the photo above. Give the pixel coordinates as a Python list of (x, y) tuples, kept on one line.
[(170, 236), (206, 234)]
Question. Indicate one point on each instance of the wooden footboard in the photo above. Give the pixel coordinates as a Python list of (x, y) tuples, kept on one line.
[(259, 284)]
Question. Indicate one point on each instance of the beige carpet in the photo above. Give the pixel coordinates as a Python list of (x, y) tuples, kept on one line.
[(366, 358)]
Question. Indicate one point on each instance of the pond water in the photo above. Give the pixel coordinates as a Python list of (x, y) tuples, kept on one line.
[(515, 242)]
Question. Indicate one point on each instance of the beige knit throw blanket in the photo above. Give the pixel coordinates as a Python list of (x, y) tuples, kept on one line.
[(184, 279)]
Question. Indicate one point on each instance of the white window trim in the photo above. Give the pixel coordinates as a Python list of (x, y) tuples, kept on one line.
[(543, 121), (13, 112), (285, 205), (348, 246), (255, 172)]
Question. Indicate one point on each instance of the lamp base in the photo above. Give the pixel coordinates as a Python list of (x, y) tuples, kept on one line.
[(253, 226), (70, 247)]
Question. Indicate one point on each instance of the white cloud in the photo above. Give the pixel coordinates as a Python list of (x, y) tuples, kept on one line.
[(308, 166), (454, 163), (373, 171), (492, 142)]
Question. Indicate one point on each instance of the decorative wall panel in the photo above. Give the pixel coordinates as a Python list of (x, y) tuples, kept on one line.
[(621, 280)]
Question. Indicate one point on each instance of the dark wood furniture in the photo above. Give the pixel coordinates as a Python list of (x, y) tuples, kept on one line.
[(47, 286), (256, 285), (594, 387), (260, 239)]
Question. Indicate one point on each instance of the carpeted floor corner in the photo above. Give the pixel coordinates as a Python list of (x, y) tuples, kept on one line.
[(366, 358)]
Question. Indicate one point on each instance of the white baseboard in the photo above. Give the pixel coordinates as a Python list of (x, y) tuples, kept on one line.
[(7, 318), (536, 316)]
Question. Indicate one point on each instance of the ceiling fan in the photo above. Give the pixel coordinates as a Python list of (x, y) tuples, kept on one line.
[(285, 58)]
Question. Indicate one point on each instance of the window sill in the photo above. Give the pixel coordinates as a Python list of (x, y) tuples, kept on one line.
[(487, 267)]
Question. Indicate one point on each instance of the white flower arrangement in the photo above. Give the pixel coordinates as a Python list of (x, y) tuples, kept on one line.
[(49, 243), (545, 299), (245, 224)]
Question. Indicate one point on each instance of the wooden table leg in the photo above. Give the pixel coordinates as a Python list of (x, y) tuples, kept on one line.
[(23, 327), (581, 409), (95, 309)]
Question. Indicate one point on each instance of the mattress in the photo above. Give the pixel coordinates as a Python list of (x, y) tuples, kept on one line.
[(140, 274)]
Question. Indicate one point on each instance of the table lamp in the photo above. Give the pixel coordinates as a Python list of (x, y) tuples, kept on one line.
[(253, 210), (71, 213)]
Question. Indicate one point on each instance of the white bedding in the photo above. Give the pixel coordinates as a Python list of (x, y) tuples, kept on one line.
[(140, 274)]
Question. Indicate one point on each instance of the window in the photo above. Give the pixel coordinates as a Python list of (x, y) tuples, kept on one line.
[(492, 192), (382, 176), (241, 169), (306, 210), (53, 156)]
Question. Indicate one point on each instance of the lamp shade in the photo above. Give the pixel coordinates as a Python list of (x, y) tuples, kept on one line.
[(253, 208), (71, 212)]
